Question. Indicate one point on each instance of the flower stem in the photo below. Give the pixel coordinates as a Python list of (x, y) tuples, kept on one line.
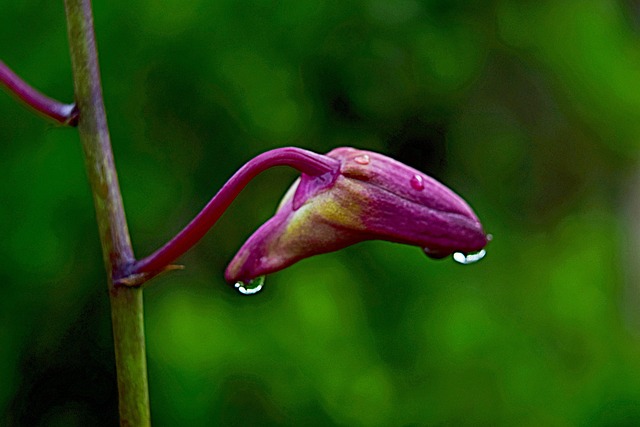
[(126, 302), (303, 160), (65, 114)]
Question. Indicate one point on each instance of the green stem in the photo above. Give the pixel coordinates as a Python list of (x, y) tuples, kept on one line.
[(126, 302), (131, 362)]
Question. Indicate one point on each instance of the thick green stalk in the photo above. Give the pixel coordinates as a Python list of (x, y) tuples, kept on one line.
[(126, 302)]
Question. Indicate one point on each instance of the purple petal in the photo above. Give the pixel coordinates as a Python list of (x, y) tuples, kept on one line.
[(372, 197), (290, 235), (428, 215)]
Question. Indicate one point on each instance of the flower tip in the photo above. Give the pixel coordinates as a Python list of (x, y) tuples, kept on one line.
[(472, 243)]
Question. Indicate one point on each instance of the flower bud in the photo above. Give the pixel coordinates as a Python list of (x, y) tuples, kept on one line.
[(370, 196)]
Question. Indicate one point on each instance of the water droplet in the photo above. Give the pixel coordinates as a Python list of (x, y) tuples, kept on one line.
[(470, 258), (363, 159), (435, 254), (417, 182), (251, 287)]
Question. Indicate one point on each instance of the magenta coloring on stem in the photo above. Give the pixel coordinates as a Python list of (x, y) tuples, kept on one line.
[(66, 114), (307, 162)]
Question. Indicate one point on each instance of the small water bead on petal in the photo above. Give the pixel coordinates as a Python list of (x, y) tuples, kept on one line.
[(435, 254), (417, 182), (470, 258), (251, 287), (363, 159)]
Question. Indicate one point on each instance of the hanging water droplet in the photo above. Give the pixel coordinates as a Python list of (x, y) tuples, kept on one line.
[(470, 258), (363, 159), (417, 182), (251, 287), (435, 254)]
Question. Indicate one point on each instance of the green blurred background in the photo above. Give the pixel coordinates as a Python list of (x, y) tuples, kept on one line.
[(529, 109)]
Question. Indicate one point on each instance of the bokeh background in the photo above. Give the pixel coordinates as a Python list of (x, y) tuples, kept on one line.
[(529, 109)]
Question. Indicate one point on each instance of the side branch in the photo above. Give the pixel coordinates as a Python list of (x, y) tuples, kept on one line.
[(65, 114), (305, 161)]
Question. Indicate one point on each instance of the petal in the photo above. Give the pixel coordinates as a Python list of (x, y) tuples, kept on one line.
[(406, 206), (396, 177), (373, 197), (325, 223)]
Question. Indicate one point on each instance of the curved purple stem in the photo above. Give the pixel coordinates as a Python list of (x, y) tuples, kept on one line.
[(65, 114), (305, 161)]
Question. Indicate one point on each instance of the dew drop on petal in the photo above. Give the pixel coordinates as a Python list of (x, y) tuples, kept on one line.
[(417, 182), (251, 287), (363, 159), (469, 258)]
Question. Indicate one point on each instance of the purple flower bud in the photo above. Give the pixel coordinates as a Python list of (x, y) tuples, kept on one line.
[(371, 196)]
